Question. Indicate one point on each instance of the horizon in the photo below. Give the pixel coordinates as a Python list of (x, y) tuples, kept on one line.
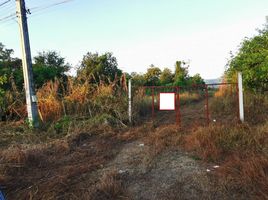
[(142, 33)]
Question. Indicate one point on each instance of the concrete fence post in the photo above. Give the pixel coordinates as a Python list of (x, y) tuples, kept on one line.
[(240, 95), (129, 102)]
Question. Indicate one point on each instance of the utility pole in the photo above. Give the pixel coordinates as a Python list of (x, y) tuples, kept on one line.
[(31, 99)]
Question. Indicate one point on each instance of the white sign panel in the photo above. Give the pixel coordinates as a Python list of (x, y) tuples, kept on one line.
[(167, 101)]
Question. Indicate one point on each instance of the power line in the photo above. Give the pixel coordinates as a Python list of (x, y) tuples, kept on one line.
[(6, 9), (34, 11), (8, 17), (1, 4), (38, 8)]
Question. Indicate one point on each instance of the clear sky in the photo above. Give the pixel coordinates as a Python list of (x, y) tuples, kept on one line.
[(143, 32)]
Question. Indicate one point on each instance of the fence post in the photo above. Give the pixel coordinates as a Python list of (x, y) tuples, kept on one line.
[(207, 108), (129, 102), (178, 117), (240, 95), (152, 103)]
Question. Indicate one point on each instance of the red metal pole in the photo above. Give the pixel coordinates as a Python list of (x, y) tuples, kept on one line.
[(178, 117), (152, 103), (207, 109)]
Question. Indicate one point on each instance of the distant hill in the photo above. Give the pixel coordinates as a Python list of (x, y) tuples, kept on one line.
[(211, 81)]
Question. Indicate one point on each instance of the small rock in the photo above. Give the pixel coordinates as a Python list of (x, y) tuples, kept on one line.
[(141, 145), (216, 166), (121, 171), (208, 170)]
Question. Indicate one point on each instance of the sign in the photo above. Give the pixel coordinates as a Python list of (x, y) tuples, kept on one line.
[(167, 101)]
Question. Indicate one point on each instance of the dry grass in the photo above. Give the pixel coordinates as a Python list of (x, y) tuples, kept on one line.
[(242, 150), (76, 99), (246, 173), (164, 137), (109, 187), (58, 167), (59, 162), (190, 97)]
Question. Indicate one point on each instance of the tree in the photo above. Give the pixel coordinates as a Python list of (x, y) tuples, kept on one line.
[(5, 54), (138, 79), (196, 80), (96, 68), (152, 76), (252, 61), (10, 67), (49, 66), (166, 77), (181, 74), (2, 94)]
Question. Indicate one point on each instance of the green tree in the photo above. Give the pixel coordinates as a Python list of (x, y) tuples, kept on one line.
[(152, 76), (10, 67), (252, 61), (138, 79), (181, 74), (166, 77), (95, 67), (49, 66), (5, 54), (196, 80), (3, 79)]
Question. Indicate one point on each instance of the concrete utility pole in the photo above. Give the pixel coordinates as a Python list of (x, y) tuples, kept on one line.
[(31, 99)]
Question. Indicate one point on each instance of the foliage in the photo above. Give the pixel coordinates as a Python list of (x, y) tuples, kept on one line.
[(152, 75), (49, 66), (181, 74), (196, 80), (137, 79), (96, 68), (166, 77), (5, 54), (2, 92), (252, 60)]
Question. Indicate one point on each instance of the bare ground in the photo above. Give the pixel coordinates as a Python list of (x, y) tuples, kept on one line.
[(139, 164)]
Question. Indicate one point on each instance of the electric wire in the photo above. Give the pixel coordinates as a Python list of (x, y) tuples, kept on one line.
[(38, 8), (33, 11), (5, 2)]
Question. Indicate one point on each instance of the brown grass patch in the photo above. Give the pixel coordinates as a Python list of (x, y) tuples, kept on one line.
[(247, 174), (242, 152), (109, 187), (164, 137)]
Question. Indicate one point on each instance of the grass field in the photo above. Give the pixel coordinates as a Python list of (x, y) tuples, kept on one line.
[(100, 157)]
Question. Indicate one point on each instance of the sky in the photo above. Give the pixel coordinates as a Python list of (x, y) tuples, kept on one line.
[(141, 32)]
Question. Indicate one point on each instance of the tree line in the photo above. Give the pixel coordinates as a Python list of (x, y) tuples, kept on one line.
[(94, 68), (251, 59)]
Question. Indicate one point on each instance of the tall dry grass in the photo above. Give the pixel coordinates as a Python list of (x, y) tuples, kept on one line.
[(241, 151), (107, 102)]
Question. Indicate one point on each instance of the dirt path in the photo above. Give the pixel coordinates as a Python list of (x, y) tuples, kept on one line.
[(169, 175)]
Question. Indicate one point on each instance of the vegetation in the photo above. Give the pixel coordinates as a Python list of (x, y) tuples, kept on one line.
[(251, 59), (84, 115)]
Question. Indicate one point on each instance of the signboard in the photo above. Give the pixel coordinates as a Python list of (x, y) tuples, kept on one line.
[(167, 101)]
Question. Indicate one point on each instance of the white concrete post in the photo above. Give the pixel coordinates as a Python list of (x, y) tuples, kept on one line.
[(241, 100), (129, 102), (31, 99)]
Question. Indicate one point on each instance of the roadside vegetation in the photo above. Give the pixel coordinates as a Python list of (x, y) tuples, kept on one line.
[(85, 126)]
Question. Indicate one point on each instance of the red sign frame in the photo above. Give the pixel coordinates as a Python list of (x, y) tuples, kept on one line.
[(174, 101)]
